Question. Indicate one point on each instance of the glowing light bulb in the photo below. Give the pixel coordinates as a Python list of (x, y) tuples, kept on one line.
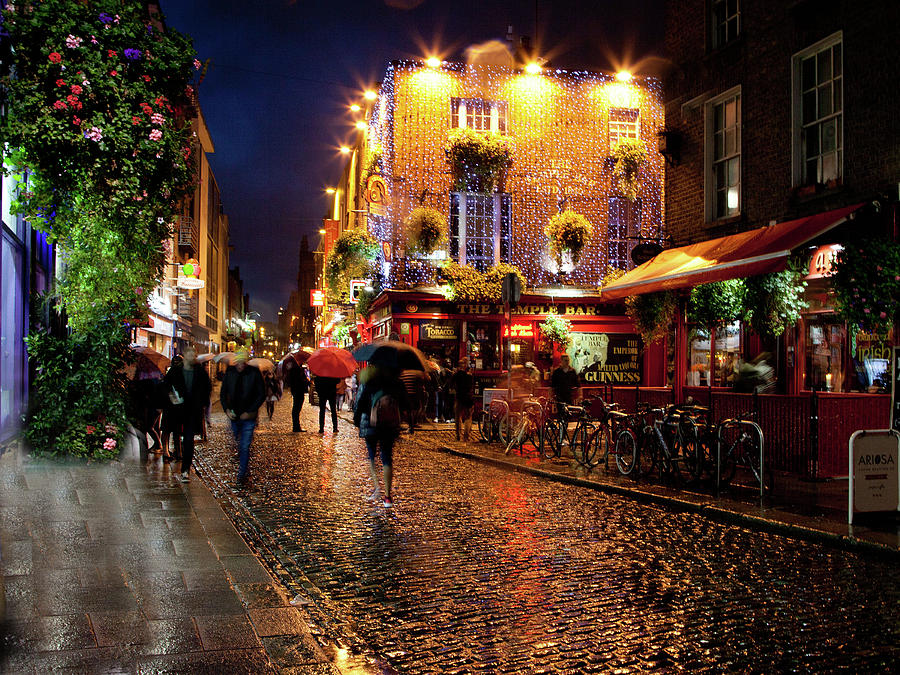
[(329, 191), (370, 95), (345, 150), (355, 107), (361, 125), (322, 231), (533, 68), (433, 62), (623, 76)]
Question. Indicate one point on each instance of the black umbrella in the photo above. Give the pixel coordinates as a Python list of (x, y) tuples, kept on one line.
[(391, 354)]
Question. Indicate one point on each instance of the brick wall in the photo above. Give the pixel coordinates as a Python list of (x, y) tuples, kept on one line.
[(760, 61)]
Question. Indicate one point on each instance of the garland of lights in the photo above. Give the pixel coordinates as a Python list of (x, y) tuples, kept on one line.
[(559, 121)]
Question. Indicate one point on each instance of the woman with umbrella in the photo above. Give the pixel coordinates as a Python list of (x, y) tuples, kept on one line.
[(329, 365)]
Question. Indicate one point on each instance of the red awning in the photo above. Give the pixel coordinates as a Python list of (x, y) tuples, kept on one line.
[(746, 254)]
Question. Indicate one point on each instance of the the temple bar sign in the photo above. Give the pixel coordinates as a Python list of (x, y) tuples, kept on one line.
[(562, 310), (606, 358)]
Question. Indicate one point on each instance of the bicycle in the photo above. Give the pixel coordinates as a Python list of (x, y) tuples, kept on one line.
[(526, 425), (742, 441), (556, 433), (494, 416)]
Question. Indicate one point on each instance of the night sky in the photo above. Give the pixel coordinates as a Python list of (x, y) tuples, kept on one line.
[(283, 73)]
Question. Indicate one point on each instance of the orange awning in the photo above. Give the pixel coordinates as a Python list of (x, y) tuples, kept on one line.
[(746, 254)]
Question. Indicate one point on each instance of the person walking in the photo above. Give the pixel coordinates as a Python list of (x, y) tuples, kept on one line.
[(463, 384), (298, 382), (243, 392), (273, 393), (564, 381), (326, 391), (414, 384), (377, 412), (340, 390), (191, 387)]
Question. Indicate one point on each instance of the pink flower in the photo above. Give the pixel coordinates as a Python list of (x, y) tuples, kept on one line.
[(109, 444), (60, 82), (59, 105), (146, 78), (139, 290), (110, 53), (867, 310), (113, 72), (112, 429), (76, 89), (55, 57), (135, 120), (94, 40), (878, 268), (156, 118), (89, 429), (73, 42), (76, 121), (94, 134), (155, 135), (197, 64), (882, 315)]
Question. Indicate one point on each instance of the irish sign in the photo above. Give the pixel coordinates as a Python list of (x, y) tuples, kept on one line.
[(874, 479), (606, 358)]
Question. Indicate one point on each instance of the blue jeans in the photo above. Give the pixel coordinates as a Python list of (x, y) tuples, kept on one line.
[(243, 436), (387, 448)]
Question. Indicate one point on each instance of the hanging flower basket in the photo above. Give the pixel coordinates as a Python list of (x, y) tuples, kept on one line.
[(351, 258), (426, 230), (477, 160), (630, 154), (556, 330), (652, 314), (865, 278), (467, 284), (717, 304), (568, 233), (773, 302)]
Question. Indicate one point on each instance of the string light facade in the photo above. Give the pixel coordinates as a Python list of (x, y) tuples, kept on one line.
[(559, 123)]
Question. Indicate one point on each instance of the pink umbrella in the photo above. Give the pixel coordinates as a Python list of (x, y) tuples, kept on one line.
[(332, 362)]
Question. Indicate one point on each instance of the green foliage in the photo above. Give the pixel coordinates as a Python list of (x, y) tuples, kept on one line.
[(340, 334), (652, 314), (426, 230), (629, 154), (557, 330), (467, 284), (477, 159), (351, 258), (78, 392), (865, 279), (372, 165), (568, 232), (773, 302), (612, 273), (718, 303)]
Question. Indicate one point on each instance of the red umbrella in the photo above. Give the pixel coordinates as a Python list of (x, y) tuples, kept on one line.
[(291, 361), (148, 364), (332, 362)]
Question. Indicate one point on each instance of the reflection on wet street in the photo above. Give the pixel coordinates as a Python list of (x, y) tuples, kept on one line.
[(476, 569)]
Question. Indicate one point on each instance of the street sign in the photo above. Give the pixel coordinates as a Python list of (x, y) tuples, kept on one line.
[(644, 252), (874, 478), (316, 297), (512, 288), (356, 287)]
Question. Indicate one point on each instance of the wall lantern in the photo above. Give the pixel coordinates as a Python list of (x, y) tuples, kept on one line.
[(669, 145)]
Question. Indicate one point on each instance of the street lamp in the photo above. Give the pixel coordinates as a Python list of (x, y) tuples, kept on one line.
[(370, 95)]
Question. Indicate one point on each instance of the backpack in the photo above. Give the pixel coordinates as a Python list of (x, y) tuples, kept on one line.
[(385, 414)]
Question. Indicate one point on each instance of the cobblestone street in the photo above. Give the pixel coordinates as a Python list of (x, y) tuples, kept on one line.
[(477, 569)]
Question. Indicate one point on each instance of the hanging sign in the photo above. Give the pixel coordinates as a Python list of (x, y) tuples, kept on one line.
[(376, 195), (316, 297), (439, 331), (189, 275), (606, 358), (821, 261)]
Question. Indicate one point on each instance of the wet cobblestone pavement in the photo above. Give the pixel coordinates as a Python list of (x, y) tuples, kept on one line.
[(477, 569)]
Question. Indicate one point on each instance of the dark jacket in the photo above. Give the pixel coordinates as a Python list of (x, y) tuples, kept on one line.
[(243, 392), (196, 399), (326, 387), (375, 386), (298, 381), (463, 384), (564, 383)]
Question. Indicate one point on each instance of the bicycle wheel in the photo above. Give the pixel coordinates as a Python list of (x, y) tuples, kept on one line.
[(550, 445), (668, 466), (484, 427), (751, 450), (580, 441), (506, 426), (597, 449), (730, 455), (626, 451), (647, 453)]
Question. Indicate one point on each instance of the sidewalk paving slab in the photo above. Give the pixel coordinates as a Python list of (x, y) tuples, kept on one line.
[(117, 567)]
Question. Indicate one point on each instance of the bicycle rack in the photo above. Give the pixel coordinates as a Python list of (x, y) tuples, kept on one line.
[(731, 422)]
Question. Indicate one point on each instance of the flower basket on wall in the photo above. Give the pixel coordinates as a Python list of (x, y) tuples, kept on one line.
[(865, 278), (652, 314), (773, 302), (556, 330), (629, 155), (426, 231), (717, 304), (568, 233), (477, 160)]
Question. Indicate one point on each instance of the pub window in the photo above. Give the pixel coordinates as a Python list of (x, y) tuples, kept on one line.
[(624, 226), (723, 151), (479, 114), (826, 343), (623, 123), (483, 338), (728, 350), (479, 229)]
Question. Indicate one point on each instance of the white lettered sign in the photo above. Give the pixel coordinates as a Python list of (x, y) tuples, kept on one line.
[(874, 478)]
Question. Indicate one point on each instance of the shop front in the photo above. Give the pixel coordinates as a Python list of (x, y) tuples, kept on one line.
[(827, 380), (604, 347)]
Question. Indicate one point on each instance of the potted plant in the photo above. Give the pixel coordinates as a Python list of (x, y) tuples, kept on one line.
[(426, 230), (652, 314), (629, 155), (773, 302), (865, 279), (568, 233), (477, 160)]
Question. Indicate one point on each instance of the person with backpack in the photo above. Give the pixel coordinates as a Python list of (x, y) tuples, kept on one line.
[(377, 412)]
